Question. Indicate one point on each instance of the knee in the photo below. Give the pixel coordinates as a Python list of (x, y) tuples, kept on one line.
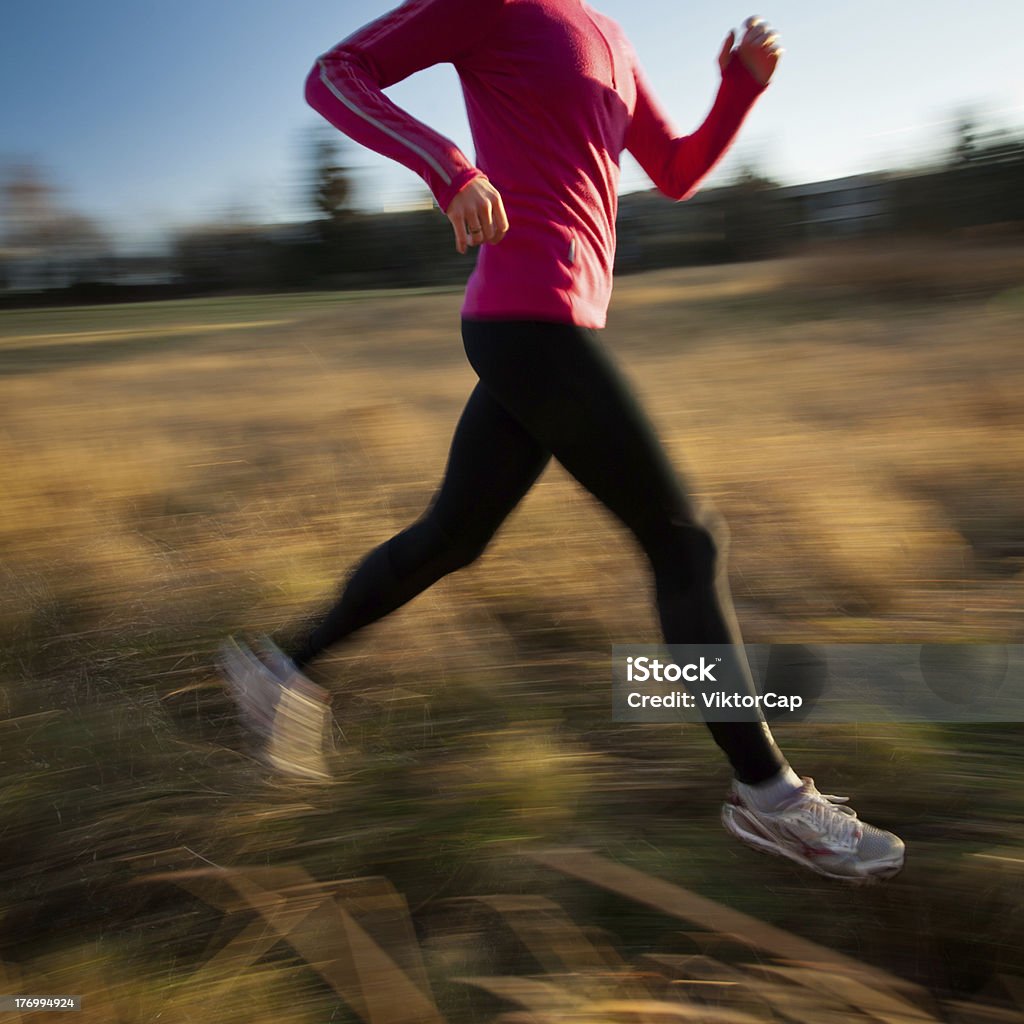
[(463, 550), (444, 548), (700, 545), (688, 551)]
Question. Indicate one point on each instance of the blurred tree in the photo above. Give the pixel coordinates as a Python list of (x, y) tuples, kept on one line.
[(965, 144), (330, 196), (46, 244), (972, 143), (982, 178), (331, 187), (750, 178)]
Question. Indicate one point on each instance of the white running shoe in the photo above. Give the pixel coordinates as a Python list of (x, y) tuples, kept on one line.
[(816, 830), (289, 714), (255, 690), (286, 671)]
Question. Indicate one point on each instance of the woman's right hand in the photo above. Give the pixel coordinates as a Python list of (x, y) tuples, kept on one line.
[(477, 215)]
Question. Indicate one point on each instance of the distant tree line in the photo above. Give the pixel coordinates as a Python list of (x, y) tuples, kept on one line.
[(50, 253), (981, 184), (977, 191)]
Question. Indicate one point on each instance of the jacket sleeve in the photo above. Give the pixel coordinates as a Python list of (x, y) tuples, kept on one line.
[(678, 164), (346, 85)]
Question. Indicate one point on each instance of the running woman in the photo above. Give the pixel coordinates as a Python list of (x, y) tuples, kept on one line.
[(554, 94)]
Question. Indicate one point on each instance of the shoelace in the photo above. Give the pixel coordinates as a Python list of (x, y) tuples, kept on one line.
[(837, 824)]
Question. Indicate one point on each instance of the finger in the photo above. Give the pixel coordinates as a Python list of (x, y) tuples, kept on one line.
[(751, 36), (726, 52), (460, 232), (757, 35), (500, 220), (753, 21), (478, 221), (487, 221)]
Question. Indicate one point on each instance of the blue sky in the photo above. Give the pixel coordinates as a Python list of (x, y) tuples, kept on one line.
[(148, 115)]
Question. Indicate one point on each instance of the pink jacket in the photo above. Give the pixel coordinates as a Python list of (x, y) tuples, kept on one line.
[(554, 94)]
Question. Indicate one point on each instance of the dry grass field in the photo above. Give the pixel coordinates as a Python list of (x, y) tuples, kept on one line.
[(175, 472)]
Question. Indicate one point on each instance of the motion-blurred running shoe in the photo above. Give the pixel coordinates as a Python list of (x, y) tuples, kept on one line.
[(816, 830), (289, 714)]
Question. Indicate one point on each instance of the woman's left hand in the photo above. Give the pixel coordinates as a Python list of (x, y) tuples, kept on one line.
[(759, 50)]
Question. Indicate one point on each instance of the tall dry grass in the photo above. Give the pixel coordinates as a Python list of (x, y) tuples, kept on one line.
[(175, 473)]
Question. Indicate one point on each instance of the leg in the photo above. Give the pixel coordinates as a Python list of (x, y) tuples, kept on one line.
[(492, 463), (557, 381)]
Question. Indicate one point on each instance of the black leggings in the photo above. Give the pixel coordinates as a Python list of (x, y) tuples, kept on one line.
[(551, 389)]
